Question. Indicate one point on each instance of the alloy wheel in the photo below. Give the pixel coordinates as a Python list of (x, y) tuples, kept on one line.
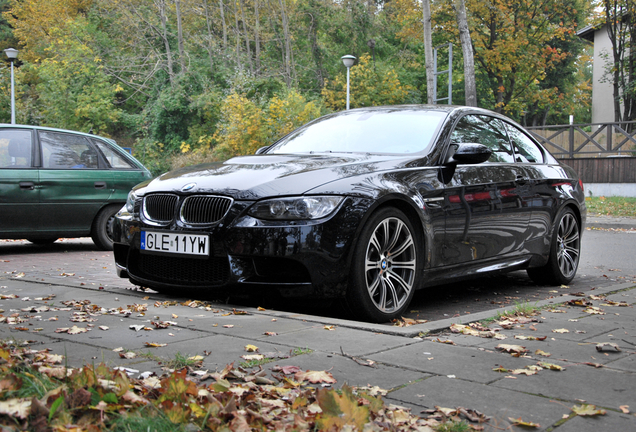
[(390, 265), (568, 245)]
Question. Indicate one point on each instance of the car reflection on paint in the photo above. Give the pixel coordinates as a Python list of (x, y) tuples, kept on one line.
[(366, 205)]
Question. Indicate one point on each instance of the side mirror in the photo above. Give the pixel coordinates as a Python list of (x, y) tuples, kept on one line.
[(468, 153), (261, 150)]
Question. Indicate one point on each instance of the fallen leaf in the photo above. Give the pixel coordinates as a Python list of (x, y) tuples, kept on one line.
[(551, 366), (587, 410), (315, 377), (155, 345), (329, 327), (19, 408), (592, 310), (519, 422), (251, 348), (270, 334), (513, 349), (228, 325), (607, 346), (542, 353), (251, 357), (625, 409), (561, 330), (287, 370)]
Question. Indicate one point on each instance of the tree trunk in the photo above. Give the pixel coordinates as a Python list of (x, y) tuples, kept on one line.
[(238, 38), (208, 25), (470, 86), (161, 4), (287, 54), (257, 36), (177, 5), (222, 9), (246, 35), (428, 51)]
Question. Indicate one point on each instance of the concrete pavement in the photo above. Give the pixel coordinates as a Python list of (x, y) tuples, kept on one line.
[(417, 365)]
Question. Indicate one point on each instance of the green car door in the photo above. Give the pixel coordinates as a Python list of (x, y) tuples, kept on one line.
[(19, 192), (75, 183)]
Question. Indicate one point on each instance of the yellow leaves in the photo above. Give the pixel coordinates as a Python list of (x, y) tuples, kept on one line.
[(339, 410), (251, 348), (315, 377), (370, 85), (519, 422), (587, 410)]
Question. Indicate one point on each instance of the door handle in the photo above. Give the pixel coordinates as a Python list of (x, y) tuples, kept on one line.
[(100, 185), (27, 185)]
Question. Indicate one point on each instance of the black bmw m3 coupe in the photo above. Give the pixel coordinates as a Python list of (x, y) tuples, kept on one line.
[(366, 205)]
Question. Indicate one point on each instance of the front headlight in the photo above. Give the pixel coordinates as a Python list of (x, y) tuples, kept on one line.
[(130, 202), (296, 208)]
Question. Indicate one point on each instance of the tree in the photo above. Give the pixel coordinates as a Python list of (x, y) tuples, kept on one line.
[(467, 50), (428, 49), (369, 86), (515, 44), (620, 21)]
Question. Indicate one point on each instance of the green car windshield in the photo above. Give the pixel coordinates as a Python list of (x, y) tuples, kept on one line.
[(399, 131)]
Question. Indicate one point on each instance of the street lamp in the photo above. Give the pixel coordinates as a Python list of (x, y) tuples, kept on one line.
[(348, 61), (12, 53)]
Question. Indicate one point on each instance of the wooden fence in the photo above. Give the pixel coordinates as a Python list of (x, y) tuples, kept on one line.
[(604, 169), (588, 140)]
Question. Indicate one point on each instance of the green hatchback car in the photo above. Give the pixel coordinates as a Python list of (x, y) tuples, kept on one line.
[(58, 183)]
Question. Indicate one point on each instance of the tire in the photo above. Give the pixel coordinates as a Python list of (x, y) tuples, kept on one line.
[(565, 250), (102, 230), (385, 267), (43, 241)]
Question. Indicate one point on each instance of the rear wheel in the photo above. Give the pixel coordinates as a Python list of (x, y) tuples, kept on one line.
[(102, 231), (385, 267), (565, 250)]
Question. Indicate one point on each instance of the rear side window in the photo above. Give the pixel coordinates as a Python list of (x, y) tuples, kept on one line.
[(114, 159), (15, 148), (526, 151), (485, 130), (66, 151)]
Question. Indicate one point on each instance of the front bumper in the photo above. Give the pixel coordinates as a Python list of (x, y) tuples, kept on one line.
[(298, 259)]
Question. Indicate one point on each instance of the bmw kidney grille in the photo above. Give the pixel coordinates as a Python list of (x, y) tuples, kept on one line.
[(193, 210)]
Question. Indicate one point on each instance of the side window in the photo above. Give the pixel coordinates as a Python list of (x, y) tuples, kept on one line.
[(67, 151), (15, 148), (485, 130), (114, 159), (526, 150)]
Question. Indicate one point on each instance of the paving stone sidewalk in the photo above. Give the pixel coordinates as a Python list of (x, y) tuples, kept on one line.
[(417, 365)]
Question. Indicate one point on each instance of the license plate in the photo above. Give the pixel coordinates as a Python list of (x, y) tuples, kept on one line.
[(175, 243)]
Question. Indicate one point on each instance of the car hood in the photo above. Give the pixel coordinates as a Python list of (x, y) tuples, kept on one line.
[(255, 177)]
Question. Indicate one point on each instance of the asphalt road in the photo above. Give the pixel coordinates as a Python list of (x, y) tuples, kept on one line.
[(607, 257)]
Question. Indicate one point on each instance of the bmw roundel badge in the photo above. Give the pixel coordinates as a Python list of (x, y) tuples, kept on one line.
[(188, 187)]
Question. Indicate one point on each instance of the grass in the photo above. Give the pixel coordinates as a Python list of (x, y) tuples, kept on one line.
[(453, 426), (520, 309), (611, 206)]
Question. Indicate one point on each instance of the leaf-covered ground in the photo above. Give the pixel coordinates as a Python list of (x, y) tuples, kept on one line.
[(612, 206), (37, 392)]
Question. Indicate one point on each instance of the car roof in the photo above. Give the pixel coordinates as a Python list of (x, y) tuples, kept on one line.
[(45, 128)]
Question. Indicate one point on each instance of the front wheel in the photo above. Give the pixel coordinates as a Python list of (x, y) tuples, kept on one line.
[(102, 231), (385, 267), (565, 249)]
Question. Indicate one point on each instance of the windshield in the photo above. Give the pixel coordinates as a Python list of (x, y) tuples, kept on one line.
[(398, 131)]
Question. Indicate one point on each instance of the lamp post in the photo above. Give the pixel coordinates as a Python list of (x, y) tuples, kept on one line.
[(12, 53), (348, 61)]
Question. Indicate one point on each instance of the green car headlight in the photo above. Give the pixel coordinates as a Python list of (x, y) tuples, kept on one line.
[(295, 208)]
